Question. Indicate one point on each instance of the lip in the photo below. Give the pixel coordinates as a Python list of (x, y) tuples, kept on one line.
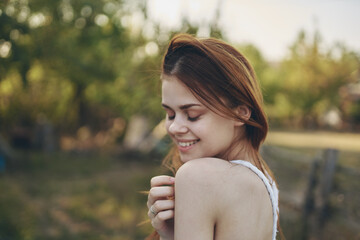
[(186, 148)]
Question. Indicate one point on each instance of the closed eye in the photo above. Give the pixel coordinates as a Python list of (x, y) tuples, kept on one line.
[(193, 119), (171, 117), (169, 112)]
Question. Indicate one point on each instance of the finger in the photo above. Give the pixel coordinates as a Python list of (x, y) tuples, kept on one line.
[(152, 212), (162, 180), (160, 205), (159, 221), (157, 193)]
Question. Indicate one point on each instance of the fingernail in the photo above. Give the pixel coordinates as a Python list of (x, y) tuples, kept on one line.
[(172, 179)]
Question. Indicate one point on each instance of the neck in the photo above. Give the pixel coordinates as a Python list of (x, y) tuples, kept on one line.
[(240, 150)]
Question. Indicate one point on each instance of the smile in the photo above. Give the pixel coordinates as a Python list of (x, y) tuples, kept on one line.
[(187, 144)]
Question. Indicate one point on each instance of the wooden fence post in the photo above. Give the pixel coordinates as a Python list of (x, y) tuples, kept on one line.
[(310, 201), (330, 159), (316, 202)]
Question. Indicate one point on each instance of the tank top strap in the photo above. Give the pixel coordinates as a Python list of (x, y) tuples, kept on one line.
[(271, 188)]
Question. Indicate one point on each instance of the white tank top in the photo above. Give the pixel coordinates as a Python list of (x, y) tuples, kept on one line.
[(271, 188)]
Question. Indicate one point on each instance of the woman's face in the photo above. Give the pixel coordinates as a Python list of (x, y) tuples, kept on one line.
[(197, 131)]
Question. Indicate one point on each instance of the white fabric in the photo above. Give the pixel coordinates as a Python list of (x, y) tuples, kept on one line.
[(271, 188)]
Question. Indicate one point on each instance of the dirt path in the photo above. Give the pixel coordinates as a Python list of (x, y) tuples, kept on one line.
[(341, 141)]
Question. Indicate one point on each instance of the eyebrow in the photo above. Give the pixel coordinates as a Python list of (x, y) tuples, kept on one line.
[(183, 107)]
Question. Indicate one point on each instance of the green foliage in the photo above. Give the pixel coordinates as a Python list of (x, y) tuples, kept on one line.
[(300, 89), (309, 81), (82, 62), (72, 57)]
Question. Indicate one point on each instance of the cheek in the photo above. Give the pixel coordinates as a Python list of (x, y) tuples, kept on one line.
[(201, 129), (223, 131)]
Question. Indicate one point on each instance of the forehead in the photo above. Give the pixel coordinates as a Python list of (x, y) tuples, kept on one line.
[(175, 92)]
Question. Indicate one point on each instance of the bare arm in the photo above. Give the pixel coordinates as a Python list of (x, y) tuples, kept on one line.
[(195, 208)]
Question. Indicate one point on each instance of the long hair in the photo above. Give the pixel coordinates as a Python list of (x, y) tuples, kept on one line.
[(222, 79)]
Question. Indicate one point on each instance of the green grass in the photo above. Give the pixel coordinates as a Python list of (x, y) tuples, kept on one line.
[(67, 196), (94, 196), (291, 167)]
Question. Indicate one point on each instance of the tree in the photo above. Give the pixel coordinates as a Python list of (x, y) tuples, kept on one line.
[(78, 42), (311, 78)]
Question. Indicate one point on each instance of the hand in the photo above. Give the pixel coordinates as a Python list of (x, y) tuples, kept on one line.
[(161, 205)]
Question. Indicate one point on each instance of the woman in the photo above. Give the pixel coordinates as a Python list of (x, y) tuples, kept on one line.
[(222, 189)]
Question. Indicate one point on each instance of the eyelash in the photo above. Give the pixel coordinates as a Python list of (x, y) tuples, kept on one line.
[(194, 119)]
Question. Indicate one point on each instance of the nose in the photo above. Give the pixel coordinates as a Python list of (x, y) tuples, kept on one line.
[(177, 126)]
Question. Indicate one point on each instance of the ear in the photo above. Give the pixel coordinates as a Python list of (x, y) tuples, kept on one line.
[(244, 112)]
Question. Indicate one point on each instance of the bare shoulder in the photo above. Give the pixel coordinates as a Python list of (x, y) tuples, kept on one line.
[(202, 169), (218, 172), (199, 177), (232, 194), (208, 176)]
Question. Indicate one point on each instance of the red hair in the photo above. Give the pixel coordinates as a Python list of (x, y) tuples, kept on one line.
[(222, 79)]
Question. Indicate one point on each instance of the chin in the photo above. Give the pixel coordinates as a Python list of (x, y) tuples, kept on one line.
[(185, 159)]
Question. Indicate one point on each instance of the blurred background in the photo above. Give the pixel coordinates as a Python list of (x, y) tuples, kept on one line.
[(80, 117)]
